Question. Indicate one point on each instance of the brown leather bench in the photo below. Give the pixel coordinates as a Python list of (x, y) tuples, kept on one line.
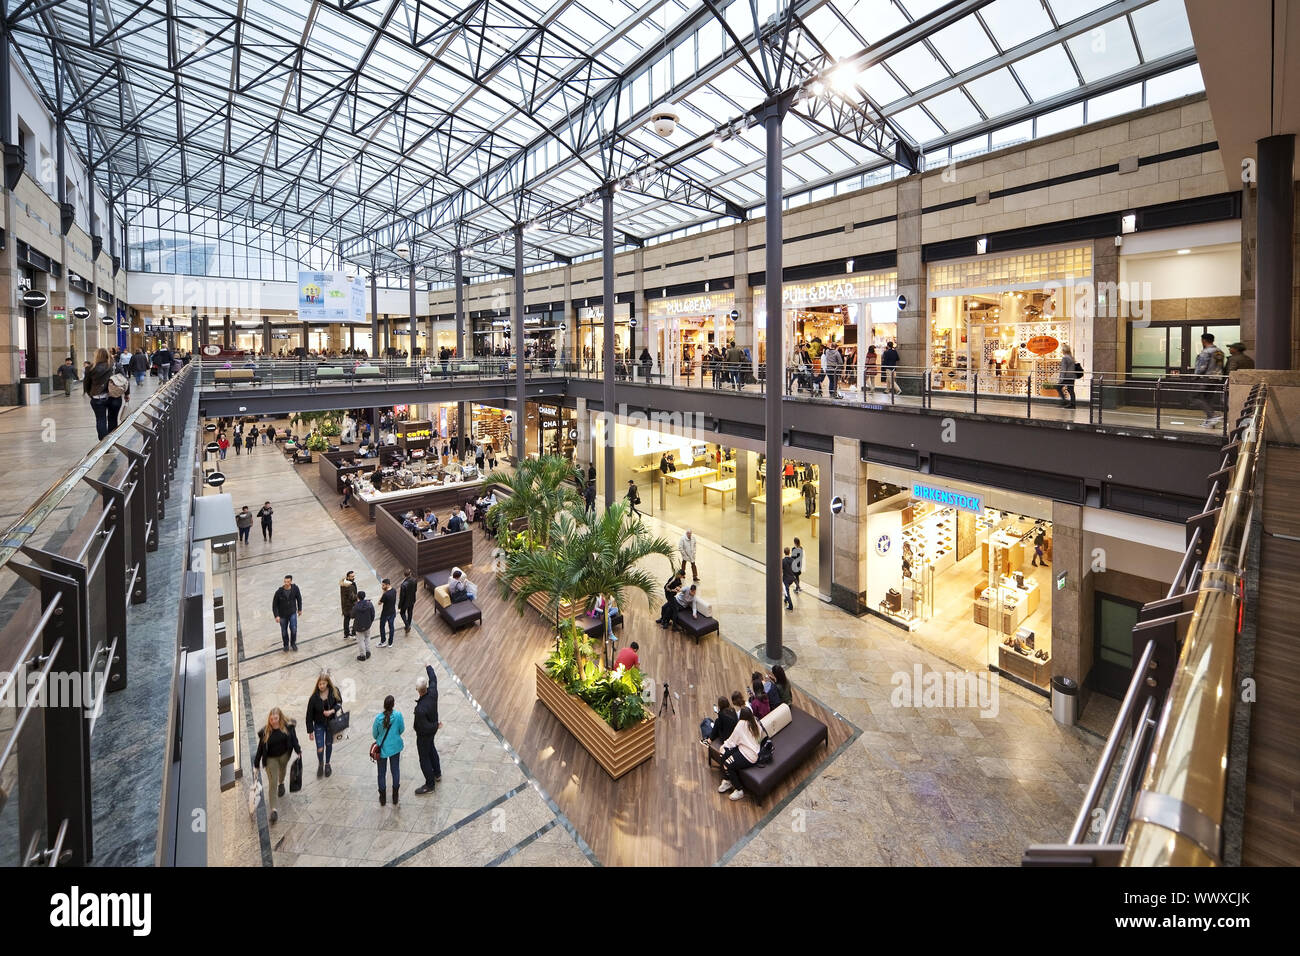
[(594, 627), (795, 735), (696, 627), (457, 614)]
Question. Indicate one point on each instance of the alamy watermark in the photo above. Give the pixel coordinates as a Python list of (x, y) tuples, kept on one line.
[(60, 689), (948, 690)]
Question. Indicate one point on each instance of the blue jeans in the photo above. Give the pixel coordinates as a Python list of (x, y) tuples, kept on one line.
[(139, 378), (388, 619), (407, 613), (324, 741), (105, 410), (396, 760), (289, 630), (243, 534)]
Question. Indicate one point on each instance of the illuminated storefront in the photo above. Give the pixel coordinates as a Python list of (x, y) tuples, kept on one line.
[(682, 328)]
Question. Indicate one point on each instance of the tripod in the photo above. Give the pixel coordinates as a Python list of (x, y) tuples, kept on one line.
[(666, 704)]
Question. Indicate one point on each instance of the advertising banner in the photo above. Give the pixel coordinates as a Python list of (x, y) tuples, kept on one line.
[(331, 297)]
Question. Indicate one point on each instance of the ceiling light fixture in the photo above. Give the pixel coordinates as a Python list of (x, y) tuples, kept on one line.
[(1183, 252)]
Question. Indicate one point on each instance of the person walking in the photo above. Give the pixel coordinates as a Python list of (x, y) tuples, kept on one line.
[(322, 707), (809, 491), (223, 445), (108, 388), (427, 726), (387, 611), (67, 375), (870, 368), (1071, 371), (265, 513), (686, 548), (363, 616), (796, 565), (239, 438), (589, 496), (1237, 358), (347, 601), (139, 365), (833, 366), (275, 740), (633, 497), (889, 367), (788, 578), (244, 521), (406, 594), (163, 359), (286, 605), (387, 731), (266, 434), (250, 440)]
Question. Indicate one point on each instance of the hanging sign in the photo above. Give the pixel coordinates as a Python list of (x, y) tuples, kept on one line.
[(902, 302), (1042, 344), (215, 478), (212, 448), (35, 298), (81, 312), (837, 505)]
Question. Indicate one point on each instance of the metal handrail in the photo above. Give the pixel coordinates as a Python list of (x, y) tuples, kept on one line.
[(21, 530), (1178, 813)]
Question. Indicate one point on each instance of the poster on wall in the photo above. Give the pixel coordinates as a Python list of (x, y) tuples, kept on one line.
[(331, 297)]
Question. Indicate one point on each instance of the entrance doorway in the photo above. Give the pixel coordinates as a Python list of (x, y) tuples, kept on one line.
[(1113, 620)]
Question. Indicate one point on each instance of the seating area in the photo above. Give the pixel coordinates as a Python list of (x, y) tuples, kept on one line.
[(795, 735), (457, 614), (695, 625), (234, 376)]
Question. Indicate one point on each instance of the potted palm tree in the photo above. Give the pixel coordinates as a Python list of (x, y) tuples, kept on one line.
[(538, 490)]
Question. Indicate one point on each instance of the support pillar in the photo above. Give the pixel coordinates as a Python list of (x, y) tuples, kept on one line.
[(267, 340), (911, 341), (607, 358), (227, 332), (521, 406), (410, 281), (848, 529), (775, 602), (744, 329), (374, 315), (1274, 252), (459, 264)]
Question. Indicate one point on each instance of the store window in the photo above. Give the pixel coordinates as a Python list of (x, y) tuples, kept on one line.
[(1002, 324), (966, 569), (683, 329)]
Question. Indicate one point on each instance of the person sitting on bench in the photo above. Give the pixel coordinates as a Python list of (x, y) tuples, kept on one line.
[(458, 586), (671, 589), (686, 599)]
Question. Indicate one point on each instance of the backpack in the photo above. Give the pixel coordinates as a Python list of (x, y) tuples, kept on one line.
[(765, 751), (1078, 370), (117, 385)]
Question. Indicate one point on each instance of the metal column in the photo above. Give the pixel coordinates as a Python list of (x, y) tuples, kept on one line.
[(374, 315), (775, 384), (410, 350), (227, 333), (266, 335), (607, 352), (460, 341), (1274, 262), (521, 432)]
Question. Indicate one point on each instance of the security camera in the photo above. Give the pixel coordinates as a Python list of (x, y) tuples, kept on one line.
[(665, 120)]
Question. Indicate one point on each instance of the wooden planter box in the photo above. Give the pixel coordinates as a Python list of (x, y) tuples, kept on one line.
[(538, 602), (617, 751)]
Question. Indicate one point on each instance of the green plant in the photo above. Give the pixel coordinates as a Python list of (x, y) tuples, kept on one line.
[(614, 695), (539, 489), (317, 442), (330, 427)]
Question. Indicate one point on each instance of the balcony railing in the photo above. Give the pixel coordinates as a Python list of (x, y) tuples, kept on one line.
[(69, 569), (1176, 716)]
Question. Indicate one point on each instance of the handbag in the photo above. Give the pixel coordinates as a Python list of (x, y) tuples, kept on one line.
[(765, 750), (375, 748), (339, 723), (295, 775)]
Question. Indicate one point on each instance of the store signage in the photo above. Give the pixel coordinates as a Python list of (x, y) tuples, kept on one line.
[(418, 433), (215, 478), (819, 292), (212, 448), (1060, 581), (837, 505), (631, 323), (882, 545), (81, 312), (59, 316), (212, 349), (210, 427), (107, 320), (1042, 344), (688, 306), (573, 434), (35, 298), (734, 315), (954, 499), (902, 302), (508, 418)]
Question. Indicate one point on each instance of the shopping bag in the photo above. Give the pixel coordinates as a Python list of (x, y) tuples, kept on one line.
[(253, 792), (295, 775)]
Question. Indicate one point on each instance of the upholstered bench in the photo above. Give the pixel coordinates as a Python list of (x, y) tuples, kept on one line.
[(696, 627), (367, 371), (457, 614), (795, 735), (594, 627)]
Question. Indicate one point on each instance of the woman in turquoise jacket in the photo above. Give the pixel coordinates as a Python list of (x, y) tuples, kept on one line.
[(387, 731)]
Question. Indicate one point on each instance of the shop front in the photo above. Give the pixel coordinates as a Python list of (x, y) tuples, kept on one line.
[(966, 569), (590, 315), (490, 332), (1002, 323), (488, 426), (856, 312), (551, 430), (683, 328)]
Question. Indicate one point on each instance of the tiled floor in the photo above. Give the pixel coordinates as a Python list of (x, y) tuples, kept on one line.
[(929, 784)]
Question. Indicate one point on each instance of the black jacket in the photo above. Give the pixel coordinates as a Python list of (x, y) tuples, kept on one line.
[(406, 592), (286, 603), (96, 380), (363, 614), (426, 708), (265, 514), (671, 587), (279, 744), (724, 725), (139, 362), (316, 710), (388, 603), (787, 570)]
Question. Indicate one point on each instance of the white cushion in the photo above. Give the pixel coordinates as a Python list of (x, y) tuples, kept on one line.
[(777, 720)]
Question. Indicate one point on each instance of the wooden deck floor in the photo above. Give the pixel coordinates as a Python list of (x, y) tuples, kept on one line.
[(666, 812)]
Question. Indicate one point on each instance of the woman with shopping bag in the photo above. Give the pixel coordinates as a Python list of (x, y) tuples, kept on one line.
[(274, 742)]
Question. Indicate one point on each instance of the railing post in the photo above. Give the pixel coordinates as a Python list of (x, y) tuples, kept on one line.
[(1158, 381), (975, 401), (1029, 394)]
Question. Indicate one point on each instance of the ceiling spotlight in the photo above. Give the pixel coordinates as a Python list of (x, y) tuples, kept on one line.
[(1184, 252), (402, 249), (818, 88)]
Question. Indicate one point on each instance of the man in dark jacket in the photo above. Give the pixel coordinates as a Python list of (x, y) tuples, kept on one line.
[(139, 365), (363, 615), (406, 593), (387, 612), (427, 726), (163, 359), (669, 611), (286, 605), (889, 365), (787, 578), (347, 601)]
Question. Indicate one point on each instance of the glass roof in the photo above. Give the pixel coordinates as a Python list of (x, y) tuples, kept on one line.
[(366, 125)]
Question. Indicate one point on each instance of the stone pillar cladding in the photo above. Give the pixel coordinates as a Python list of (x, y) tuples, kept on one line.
[(744, 332), (1109, 325), (583, 450), (570, 353), (639, 337), (11, 315), (1071, 642), (849, 527), (912, 332), (1249, 253)]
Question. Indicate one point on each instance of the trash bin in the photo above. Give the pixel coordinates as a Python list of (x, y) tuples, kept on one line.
[(1065, 700), (31, 391)]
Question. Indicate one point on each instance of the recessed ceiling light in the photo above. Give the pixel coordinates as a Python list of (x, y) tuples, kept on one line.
[(1183, 252)]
